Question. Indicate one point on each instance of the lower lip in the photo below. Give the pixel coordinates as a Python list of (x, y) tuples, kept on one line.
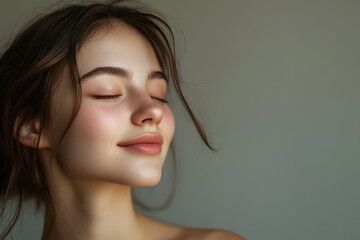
[(145, 148)]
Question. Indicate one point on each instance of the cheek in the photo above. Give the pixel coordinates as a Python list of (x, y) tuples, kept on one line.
[(168, 124), (96, 123), (92, 136)]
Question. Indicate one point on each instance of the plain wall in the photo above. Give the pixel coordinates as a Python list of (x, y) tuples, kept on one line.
[(277, 85)]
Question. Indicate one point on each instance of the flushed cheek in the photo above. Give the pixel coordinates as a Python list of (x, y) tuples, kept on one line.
[(168, 123), (99, 123), (91, 139)]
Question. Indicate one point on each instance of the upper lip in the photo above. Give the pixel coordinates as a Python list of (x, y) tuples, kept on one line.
[(150, 138)]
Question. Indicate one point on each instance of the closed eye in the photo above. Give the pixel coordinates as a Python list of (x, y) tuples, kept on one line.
[(107, 96), (116, 96), (161, 100)]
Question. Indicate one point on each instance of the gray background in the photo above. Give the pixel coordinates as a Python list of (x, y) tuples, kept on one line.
[(277, 86)]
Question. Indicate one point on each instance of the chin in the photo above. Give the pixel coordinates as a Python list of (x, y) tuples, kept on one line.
[(147, 180)]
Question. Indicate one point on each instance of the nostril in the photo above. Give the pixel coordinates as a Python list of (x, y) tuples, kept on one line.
[(147, 119)]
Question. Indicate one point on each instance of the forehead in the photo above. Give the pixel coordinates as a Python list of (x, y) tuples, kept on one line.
[(119, 45)]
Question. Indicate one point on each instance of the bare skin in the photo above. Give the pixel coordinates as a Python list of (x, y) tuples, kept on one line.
[(90, 177), (166, 231)]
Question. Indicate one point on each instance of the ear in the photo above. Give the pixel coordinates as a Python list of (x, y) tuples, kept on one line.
[(29, 134)]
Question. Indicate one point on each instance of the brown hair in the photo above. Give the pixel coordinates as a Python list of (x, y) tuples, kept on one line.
[(30, 67)]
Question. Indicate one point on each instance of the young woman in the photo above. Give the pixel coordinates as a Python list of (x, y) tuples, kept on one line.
[(84, 118)]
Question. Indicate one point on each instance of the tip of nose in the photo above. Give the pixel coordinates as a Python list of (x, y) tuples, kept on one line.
[(152, 115)]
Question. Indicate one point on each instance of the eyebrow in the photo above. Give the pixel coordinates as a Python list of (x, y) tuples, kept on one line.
[(120, 72)]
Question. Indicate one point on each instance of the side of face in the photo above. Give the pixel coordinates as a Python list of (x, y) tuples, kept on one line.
[(89, 149)]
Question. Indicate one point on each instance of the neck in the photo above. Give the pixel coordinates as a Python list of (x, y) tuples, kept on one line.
[(94, 211)]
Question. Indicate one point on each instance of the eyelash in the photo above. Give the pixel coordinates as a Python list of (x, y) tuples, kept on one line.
[(115, 96)]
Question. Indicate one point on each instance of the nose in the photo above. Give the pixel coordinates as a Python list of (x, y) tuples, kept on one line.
[(147, 111)]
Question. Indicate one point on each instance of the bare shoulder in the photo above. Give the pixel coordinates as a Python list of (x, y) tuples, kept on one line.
[(165, 231), (222, 234), (210, 234)]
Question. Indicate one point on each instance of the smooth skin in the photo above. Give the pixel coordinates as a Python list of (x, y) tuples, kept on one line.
[(90, 177)]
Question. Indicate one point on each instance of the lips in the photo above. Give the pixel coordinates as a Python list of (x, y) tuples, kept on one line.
[(146, 139), (148, 144)]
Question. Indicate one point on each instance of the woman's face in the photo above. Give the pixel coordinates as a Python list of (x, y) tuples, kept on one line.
[(90, 147)]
